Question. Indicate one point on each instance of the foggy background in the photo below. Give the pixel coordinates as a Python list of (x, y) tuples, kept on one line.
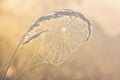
[(97, 59)]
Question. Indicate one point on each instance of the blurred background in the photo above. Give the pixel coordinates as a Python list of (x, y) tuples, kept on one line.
[(98, 59)]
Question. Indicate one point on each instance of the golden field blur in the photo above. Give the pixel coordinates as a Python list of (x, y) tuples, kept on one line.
[(97, 59)]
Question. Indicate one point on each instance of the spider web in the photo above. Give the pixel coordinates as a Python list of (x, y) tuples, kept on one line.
[(61, 40), (60, 34)]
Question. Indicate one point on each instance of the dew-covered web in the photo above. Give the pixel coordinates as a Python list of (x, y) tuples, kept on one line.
[(60, 34)]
